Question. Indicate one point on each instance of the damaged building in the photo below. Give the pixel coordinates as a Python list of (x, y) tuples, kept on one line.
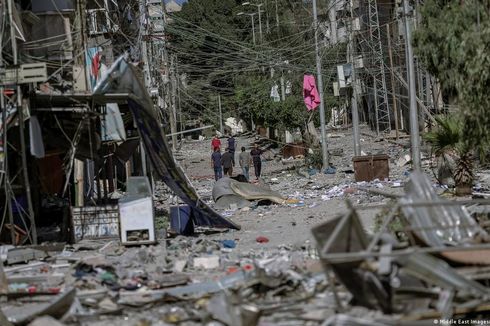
[(89, 154), (79, 140)]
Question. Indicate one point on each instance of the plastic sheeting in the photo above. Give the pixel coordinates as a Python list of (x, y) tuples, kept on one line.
[(123, 78), (437, 225)]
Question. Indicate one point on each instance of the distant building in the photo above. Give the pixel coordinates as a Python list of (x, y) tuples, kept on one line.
[(172, 6)]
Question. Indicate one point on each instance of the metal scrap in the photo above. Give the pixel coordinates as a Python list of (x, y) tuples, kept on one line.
[(437, 225)]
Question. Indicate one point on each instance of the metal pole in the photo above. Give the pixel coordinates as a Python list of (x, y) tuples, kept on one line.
[(354, 108), (267, 30), (253, 27), (173, 110), (6, 176), (6, 186), (283, 88), (277, 17), (21, 131), (143, 159), (320, 88), (180, 124), (191, 130), (220, 115), (260, 23), (414, 123), (332, 16), (395, 108)]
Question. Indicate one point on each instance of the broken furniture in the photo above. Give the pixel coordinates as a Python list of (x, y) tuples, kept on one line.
[(95, 222)]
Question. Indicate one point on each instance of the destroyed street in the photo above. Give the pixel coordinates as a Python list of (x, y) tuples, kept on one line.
[(229, 163)]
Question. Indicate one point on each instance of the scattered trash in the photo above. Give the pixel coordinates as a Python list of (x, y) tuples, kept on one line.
[(262, 239), (209, 262), (229, 244), (330, 170)]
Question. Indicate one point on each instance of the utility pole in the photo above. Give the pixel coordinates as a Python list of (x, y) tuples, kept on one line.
[(220, 116), (332, 17), (146, 73), (179, 107), (414, 123), (78, 166), (267, 30), (320, 89), (258, 11), (354, 97), (283, 87), (6, 174), (253, 27), (277, 17), (6, 177), (21, 129), (173, 111), (260, 24), (253, 23), (395, 108)]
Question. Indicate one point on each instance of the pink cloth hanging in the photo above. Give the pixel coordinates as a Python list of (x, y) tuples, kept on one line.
[(310, 92)]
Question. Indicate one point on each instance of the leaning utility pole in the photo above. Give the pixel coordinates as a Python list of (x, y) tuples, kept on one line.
[(414, 123), (325, 160)]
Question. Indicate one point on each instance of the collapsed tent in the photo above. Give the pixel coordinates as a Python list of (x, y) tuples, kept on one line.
[(123, 78)]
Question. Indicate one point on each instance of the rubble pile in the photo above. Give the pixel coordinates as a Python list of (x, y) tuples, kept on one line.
[(191, 280), (426, 258)]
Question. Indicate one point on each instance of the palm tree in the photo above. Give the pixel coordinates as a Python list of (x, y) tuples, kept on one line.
[(448, 143)]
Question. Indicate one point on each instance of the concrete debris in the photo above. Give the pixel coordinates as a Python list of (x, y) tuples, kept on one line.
[(45, 321), (209, 262), (56, 308), (378, 269), (387, 260)]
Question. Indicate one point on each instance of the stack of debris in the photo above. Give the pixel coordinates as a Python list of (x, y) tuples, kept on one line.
[(433, 275)]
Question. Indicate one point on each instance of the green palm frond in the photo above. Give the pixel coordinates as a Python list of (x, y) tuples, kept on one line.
[(447, 136)]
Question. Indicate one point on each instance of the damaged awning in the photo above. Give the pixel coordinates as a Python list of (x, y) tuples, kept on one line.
[(121, 78)]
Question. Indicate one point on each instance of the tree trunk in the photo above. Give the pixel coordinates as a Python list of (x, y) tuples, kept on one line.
[(463, 175)]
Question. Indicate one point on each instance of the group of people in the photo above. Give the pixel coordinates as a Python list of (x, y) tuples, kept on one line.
[(224, 163)]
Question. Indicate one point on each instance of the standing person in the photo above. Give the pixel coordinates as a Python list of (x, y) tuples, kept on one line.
[(227, 162), (232, 146), (216, 163), (215, 142), (257, 160), (244, 159)]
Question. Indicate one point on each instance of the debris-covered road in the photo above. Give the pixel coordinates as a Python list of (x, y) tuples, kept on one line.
[(274, 270)]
